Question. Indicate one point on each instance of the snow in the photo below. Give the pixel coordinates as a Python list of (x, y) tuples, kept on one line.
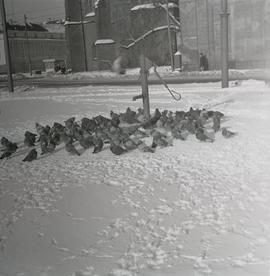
[(191, 209), (75, 22), (144, 6), (90, 14), (151, 6), (104, 41)]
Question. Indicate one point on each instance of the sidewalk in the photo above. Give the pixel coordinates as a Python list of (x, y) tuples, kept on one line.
[(132, 77)]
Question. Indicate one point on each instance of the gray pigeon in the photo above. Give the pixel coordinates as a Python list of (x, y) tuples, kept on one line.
[(71, 149), (200, 135), (32, 155), (227, 133), (98, 145), (116, 149)]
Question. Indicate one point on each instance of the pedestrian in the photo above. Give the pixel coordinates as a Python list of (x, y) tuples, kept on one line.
[(203, 62)]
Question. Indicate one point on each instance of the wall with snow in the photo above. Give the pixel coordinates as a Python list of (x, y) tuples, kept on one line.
[(155, 46), (41, 45), (249, 35)]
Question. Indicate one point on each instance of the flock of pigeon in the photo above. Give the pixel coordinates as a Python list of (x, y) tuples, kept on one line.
[(123, 132)]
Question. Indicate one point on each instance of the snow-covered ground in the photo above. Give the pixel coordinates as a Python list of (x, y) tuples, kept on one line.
[(192, 209)]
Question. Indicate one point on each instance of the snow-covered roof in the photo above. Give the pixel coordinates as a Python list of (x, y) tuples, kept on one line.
[(104, 41), (152, 6), (76, 22), (90, 14), (144, 6)]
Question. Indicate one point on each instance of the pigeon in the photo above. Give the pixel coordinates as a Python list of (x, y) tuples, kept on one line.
[(190, 126), (130, 144), (47, 129), (32, 155), (6, 154), (156, 116), (98, 145), (40, 129), (88, 124), (29, 139), (71, 149), (144, 148), (51, 146), (130, 116), (44, 140), (102, 121), (179, 116), (193, 114), (139, 115), (57, 127), (8, 147), (56, 138), (69, 122), (161, 122), (115, 121), (116, 149), (201, 136), (178, 134), (218, 114), (227, 133), (216, 123), (86, 141), (162, 142)]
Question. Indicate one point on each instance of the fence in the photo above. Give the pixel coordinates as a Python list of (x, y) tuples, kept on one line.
[(39, 46)]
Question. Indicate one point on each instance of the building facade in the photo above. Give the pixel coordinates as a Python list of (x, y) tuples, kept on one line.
[(98, 31), (35, 48), (249, 34)]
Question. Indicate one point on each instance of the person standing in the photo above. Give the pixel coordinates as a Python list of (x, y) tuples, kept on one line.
[(203, 62)]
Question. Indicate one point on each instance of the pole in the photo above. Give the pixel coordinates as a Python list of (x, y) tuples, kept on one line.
[(208, 32), (169, 35), (7, 49), (197, 31), (224, 44), (83, 37), (27, 46), (145, 93), (213, 35), (180, 21)]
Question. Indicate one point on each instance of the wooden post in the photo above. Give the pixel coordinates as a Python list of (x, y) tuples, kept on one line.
[(169, 35), (27, 46), (7, 49), (208, 31), (224, 44), (83, 36), (197, 32), (145, 93)]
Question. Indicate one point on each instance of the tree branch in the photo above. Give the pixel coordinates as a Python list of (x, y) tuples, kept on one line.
[(147, 34)]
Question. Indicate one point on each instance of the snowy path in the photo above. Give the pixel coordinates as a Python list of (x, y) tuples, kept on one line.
[(191, 209)]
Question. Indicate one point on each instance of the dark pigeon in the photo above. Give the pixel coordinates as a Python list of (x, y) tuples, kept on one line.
[(32, 155)]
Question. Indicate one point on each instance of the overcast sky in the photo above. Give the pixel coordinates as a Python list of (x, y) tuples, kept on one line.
[(36, 10)]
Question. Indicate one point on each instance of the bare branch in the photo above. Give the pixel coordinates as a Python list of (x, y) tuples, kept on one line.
[(147, 34)]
